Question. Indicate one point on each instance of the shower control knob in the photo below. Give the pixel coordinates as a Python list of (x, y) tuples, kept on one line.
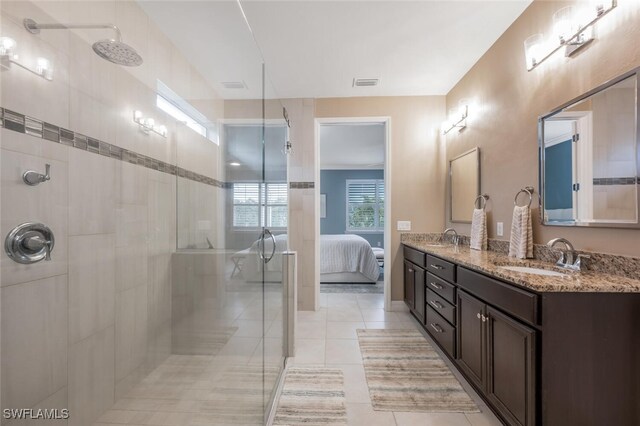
[(30, 243), (32, 178)]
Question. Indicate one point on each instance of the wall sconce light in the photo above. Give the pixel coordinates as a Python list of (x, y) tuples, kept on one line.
[(457, 117), (148, 124), (8, 45), (572, 29)]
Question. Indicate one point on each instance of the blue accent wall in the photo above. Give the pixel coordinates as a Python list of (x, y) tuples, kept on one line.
[(333, 183), (558, 176)]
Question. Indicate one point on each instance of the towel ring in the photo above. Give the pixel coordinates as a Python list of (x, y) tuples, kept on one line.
[(527, 190), (484, 198)]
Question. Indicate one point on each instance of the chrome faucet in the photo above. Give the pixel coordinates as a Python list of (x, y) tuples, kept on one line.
[(455, 240), (566, 256)]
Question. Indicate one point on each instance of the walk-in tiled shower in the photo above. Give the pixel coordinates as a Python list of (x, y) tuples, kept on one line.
[(144, 215)]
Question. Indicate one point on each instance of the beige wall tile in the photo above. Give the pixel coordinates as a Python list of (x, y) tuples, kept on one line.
[(92, 193), (91, 377), (34, 341), (130, 331), (91, 285)]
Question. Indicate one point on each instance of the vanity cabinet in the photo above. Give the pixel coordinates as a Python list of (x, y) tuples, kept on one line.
[(497, 353), (414, 289)]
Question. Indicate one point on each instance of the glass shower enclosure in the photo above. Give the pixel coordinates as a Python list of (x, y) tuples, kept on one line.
[(144, 214)]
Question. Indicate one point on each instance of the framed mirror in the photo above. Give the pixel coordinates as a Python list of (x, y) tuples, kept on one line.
[(464, 185), (589, 160)]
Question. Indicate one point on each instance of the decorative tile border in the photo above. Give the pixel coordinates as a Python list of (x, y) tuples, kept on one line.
[(31, 126), (302, 185), (616, 181)]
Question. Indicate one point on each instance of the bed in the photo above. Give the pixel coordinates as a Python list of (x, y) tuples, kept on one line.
[(343, 259), (347, 259)]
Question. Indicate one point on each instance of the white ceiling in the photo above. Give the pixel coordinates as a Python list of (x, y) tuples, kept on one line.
[(352, 146), (316, 48)]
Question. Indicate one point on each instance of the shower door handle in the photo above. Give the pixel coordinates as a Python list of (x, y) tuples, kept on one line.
[(261, 246), (273, 241)]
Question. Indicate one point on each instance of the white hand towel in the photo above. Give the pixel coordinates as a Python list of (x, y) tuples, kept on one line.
[(521, 243), (479, 230)]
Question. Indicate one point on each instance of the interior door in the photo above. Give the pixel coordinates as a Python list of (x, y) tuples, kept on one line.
[(471, 337)]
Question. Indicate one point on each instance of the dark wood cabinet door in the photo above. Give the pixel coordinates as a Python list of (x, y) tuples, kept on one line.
[(511, 368), (409, 284), (419, 294), (471, 338)]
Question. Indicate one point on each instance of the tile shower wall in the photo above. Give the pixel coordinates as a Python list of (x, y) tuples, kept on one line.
[(82, 329)]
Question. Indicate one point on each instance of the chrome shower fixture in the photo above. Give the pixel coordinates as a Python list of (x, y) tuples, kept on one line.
[(113, 50)]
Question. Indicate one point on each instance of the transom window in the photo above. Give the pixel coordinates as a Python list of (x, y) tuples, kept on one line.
[(260, 204), (365, 205)]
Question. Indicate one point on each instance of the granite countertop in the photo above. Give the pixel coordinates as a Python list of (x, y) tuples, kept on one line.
[(489, 262)]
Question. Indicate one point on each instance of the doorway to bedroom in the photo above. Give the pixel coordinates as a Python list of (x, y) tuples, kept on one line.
[(353, 193)]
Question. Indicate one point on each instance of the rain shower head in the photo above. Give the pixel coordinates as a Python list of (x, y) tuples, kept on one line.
[(117, 52), (113, 50)]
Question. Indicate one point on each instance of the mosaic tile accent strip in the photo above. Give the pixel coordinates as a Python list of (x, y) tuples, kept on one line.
[(302, 185), (616, 181), (31, 126), (611, 264)]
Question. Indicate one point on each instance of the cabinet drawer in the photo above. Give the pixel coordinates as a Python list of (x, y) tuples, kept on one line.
[(415, 256), (517, 302), (441, 268), (441, 306), (441, 331), (443, 288)]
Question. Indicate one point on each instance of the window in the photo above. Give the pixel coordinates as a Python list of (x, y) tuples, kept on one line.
[(171, 103), (260, 204), (365, 205)]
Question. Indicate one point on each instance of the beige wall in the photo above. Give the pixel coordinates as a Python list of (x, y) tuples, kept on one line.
[(508, 101), (417, 158)]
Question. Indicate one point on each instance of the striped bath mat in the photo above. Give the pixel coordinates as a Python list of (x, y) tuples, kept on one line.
[(404, 373), (312, 396)]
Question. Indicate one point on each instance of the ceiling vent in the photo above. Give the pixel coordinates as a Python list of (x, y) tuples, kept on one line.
[(234, 85), (365, 82)]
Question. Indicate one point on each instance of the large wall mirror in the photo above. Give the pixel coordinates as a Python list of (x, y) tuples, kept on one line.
[(464, 185), (589, 160)]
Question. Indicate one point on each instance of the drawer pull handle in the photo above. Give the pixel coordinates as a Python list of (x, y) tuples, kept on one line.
[(437, 328), (433, 265), (479, 315), (438, 286), (411, 270), (436, 304)]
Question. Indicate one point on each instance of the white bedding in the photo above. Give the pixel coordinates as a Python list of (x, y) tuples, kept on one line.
[(347, 253)]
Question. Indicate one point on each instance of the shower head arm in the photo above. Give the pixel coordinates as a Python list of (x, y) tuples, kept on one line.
[(34, 28)]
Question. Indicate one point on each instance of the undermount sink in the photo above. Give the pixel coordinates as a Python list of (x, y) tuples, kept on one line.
[(534, 271)]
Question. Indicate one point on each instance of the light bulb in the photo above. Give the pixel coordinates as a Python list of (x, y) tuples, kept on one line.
[(162, 130), (137, 116), (7, 44), (533, 50), (565, 23), (149, 122)]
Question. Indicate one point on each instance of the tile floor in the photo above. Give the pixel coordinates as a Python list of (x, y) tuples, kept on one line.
[(328, 337)]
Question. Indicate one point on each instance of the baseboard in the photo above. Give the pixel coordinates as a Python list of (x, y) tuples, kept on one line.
[(399, 306)]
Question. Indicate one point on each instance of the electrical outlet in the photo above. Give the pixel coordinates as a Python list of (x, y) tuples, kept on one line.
[(500, 229), (404, 225)]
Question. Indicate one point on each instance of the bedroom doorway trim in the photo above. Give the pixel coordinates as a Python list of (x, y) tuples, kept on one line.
[(387, 195)]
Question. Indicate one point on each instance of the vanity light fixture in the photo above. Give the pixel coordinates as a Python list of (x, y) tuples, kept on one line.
[(149, 124), (572, 29), (8, 45), (457, 117)]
